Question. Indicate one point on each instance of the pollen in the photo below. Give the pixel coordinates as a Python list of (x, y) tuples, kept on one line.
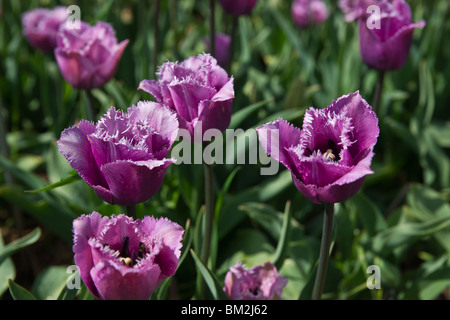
[(329, 155), (126, 261)]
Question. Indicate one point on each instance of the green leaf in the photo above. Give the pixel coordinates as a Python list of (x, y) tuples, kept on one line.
[(62, 182), (408, 232), (240, 116), (18, 292), (282, 245), (50, 283), (7, 269), (16, 245), (210, 279)]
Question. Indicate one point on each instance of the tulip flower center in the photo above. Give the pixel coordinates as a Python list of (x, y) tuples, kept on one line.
[(329, 152), (131, 259)]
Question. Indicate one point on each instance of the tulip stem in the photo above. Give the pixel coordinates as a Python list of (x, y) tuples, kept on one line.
[(209, 216), (378, 90), (90, 106), (156, 37), (131, 211), (212, 28), (324, 255), (233, 43)]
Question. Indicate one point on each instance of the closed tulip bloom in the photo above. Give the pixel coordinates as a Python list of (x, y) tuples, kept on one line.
[(238, 7), (222, 44), (124, 259), (258, 283), (122, 157), (329, 158), (40, 27), (88, 56), (309, 12), (197, 89), (387, 48)]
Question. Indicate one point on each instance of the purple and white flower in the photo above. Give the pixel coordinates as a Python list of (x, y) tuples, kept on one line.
[(258, 283), (124, 259), (122, 157), (329, 158)]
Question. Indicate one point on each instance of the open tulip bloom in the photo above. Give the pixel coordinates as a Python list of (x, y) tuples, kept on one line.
[(88, 56), (261, 282), (124, 259), (198, 89), (122, 157), (329, 158)]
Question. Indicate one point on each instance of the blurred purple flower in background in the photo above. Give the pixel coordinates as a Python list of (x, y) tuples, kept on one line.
[(238, 7), (308, 12), (88, 56), (122, 157), (222, 44), (387, 48), (354, 9), (40, 27), (198, 89), (331, 155), (258, 283), (124, 259)]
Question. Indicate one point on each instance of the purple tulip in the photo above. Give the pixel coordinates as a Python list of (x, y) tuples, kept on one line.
[(331, 155), (387, 48), (257, 283), (307, 12), (355, 9), (40, 27), (238, 7), (122, 157), (88, 56), (198, 89), (124, 259), (222, 43)]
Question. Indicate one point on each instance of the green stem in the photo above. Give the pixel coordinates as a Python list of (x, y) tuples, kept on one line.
[(156, 37), (131, 211), (233, 43), (378, 91), (212, 31), (90, 106), (209, 214), (324, 256)]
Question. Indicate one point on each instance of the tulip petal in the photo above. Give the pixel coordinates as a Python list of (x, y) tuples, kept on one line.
[(134, 182)]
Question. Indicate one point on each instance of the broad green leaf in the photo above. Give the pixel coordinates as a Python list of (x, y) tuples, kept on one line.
[(7, 269), (283, 242), (16, 245), (213, 284), (240, 116), (62, 182), (18, 292), (407, 233), (51, 282)]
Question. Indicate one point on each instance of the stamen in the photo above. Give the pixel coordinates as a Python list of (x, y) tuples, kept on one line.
[(142, 251), (329, 155), (125, 250), (126, 261)]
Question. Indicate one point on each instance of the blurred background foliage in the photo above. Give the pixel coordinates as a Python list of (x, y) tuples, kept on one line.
[(399, 221)]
